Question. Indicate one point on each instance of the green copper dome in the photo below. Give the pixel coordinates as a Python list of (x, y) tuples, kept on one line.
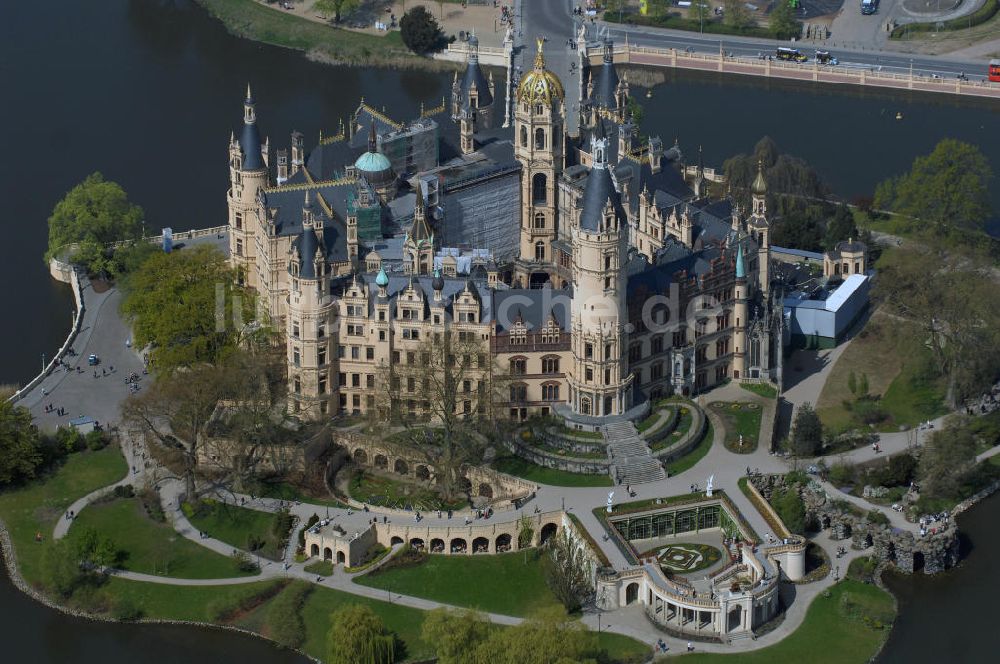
[(373, 162)]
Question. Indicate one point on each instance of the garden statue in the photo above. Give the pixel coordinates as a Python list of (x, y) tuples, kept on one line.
[(708, 486), (611, 496)]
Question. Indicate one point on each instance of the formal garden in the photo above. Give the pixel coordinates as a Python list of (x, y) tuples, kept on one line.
[(742, 424), (685, 557)]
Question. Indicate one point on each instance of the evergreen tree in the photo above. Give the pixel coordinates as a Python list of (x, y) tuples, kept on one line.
[(20, 455), (807, 434), (419, 30)]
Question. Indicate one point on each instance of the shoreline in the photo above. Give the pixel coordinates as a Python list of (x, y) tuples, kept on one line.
[(8, 555), (249, 20)]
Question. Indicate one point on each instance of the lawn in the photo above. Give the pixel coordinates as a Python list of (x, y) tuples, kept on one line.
[(35, 507), (688, 461), (320, 567), (524, 469), (760, 389), (509, 583), (740, 419), (237, 525), (379, 490), (891, 355), (684, 421), (152, 547), (291, 492), (835, 630), (195, 603)]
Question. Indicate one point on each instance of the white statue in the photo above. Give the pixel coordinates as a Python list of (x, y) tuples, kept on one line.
[(741, 440), (611, 497), (708, 486)]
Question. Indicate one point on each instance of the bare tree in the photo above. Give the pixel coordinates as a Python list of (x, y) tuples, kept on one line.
[(441, 392)]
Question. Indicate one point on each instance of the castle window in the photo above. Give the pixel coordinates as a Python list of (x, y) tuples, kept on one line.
[(524, 137), (539, 251), (538, 109), (295, 329), (370, 381), (518, 366), (656, 371), (539, 191), (588, 351), (539, 221), (369, 353), (238, 220), (635, 352), (298, 385), (539, 139), (585, 406), (550, 365), (321, 356), (519, 392), (657, 344), (239, 247), (296, 356), (322, 383), (550, 392), (320, 331), (588, 375)]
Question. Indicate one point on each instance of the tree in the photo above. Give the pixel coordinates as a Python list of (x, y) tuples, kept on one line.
[(358, 636), (948, 189), (782, 23), (451, 380), (550, 637), (840, 227), (336, 7), (95, 550), (737, 15), (176, 410), (454, 633), (946, 457), (60, 567), (92, 215), (698, 11), (955, 303), (20, 455), (419, 30), (807, 434), (181, 304), (568, 571)]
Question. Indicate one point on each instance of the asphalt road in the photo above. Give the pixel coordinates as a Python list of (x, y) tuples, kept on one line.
[(554, 21)]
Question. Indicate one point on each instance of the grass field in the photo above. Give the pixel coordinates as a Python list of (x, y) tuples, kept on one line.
[(890, 353), (760, 389), (37, 506), (740, 419), (379, 490), (688, 461), (320, 567), (834, 631), (151, 547), (234, 525), (509, 583), (534, 473)]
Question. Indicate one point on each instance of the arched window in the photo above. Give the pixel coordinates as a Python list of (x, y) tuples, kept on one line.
[(539, 139), (550, 364), (539, 188), (550, 391), (585, 406), (539, 251), (524, 137), (539, 220), (518, 366), (538, 109)]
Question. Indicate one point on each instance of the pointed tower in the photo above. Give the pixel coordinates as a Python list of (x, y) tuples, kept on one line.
[(310, 318), (700, 185), (760, 228), (599, 382), (418, 246), (740, 316), (247, 177), (538, 146)]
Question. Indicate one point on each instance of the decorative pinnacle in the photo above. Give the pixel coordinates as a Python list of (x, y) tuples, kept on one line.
[(539, 56)]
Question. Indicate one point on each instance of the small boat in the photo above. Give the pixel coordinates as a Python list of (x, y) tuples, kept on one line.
[(899, 115), (649, 94)]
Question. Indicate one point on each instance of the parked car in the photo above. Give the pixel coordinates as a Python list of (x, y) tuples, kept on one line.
[(93, 360)]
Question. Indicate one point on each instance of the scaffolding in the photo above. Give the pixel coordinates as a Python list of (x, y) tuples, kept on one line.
[(484, 212), (368, 214)]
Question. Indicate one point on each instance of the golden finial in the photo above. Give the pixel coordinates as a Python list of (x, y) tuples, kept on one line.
[(539, 57)]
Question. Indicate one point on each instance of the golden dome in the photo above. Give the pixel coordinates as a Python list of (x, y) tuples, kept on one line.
[(539, 84)]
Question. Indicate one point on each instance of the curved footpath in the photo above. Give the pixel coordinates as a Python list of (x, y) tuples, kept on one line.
[(105, 334)]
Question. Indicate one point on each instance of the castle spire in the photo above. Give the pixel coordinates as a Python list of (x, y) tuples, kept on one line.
[(760, 183), (372, 138), (741, 268)]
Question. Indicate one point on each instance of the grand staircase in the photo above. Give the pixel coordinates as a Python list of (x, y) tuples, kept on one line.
[(630, 458)]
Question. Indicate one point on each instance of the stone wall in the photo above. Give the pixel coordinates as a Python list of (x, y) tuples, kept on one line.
[(935, 552)]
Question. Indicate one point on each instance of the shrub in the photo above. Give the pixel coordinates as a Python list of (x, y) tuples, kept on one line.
[(244, 562), (96, 440), (124, 491), (876, 516), (151, 503), (284, 616), (842, 474), (126, 610), (310, 522)]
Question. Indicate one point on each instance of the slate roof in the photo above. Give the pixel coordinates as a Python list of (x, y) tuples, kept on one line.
[(250, 144), (598, 191), (605, 80)]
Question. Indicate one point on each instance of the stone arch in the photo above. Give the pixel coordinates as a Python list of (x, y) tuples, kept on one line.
[(734, 618), (539, 139), (341, 558), (422, 472), (458, 545), (401, 467), (547, 532), (503, 543), (396, 539), (631, 593), (381, 461), (360, 457), (437, 545), (327, 553), (314, 550), (485, 490), (480, 545), (464, 484), (417, 543)]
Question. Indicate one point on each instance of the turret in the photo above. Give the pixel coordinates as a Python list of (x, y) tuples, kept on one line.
[(247, 178), (740, 316)]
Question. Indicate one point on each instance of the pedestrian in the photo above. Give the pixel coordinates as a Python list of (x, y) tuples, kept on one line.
[(690, 647)]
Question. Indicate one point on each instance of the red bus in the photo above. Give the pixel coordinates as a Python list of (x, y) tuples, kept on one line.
[(995, 70)]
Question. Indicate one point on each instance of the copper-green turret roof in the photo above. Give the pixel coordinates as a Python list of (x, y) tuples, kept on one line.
[(741, 268)]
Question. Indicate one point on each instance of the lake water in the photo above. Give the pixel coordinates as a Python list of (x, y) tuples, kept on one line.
[(147, 91)]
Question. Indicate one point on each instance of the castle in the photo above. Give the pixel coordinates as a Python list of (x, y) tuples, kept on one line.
[(594, 270)]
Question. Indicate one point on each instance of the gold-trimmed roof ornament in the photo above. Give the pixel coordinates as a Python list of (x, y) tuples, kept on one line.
[(540, 85)]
